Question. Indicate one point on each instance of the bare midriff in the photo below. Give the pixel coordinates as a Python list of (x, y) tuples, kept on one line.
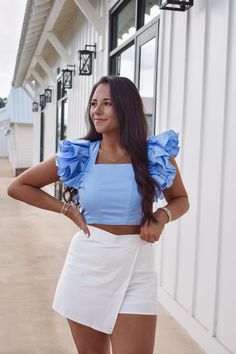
[(119, 229)]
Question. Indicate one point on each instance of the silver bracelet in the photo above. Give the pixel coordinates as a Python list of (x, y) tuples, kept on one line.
[(66, 206), (168, 213)]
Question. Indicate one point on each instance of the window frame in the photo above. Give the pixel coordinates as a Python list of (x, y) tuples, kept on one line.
[(119, 48)]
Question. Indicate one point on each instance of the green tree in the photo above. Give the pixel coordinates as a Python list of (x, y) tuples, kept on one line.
[(3, 102)]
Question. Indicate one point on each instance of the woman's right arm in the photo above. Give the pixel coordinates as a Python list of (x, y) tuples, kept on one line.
[(27, 188)]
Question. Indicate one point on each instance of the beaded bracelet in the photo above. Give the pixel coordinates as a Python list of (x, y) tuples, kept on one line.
[(167, 211)]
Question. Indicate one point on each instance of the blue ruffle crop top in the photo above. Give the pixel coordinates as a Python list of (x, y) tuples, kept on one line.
[(108, 193)]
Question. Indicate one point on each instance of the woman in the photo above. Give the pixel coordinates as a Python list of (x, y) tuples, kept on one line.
[(108, 286)]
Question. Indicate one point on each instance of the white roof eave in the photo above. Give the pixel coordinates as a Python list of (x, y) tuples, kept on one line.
[(36, 15)]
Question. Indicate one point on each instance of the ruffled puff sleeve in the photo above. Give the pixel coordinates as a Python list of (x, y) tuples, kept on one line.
[(71, 159), (159, 149)]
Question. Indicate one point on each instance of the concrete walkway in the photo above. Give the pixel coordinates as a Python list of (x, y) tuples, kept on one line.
[(34, 243)]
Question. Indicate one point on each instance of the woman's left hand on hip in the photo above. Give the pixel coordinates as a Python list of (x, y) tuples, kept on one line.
[(152, 232)]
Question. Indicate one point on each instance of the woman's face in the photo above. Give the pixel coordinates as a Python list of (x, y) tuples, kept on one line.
[(102, 112)]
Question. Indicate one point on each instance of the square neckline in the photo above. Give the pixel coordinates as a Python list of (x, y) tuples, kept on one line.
[(106, 164)]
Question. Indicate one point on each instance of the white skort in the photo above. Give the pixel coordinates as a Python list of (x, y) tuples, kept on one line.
[(104, 275)]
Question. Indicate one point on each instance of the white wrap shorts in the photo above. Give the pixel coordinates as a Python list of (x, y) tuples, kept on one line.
[(104, 275)]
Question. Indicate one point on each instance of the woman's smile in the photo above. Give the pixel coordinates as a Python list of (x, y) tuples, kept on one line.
[(99, 120)]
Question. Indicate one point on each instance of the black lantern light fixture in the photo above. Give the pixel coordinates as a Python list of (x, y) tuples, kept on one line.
[(67, 76), (42, 100), (176, 5), (48, 95), (86, 59), (35, 106)]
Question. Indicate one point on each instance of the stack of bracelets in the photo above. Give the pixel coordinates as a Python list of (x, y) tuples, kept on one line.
[(168, 213), (68, 205)]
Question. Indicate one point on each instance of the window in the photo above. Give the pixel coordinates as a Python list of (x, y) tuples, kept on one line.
[(122, 63), (148, 10), (123, 23), (134, 32), (146, 80)]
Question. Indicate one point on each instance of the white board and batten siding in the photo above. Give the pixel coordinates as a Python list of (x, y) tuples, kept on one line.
[(3, 137), (20, 140), (196, 97), (84, 33), (24, 143), (20, 145), (19, 106), (3, 144)]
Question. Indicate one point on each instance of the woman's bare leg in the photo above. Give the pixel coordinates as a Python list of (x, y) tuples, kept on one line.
[(134, 334), (89, 340)]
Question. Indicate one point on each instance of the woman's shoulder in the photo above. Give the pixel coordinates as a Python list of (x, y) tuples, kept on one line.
[(160, 148), (163, 144), (72, 158), (75, 148)]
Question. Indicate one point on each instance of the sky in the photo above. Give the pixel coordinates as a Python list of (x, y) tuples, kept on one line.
[(11, 21)]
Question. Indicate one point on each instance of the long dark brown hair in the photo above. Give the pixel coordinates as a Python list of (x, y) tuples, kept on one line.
[(128, 106)]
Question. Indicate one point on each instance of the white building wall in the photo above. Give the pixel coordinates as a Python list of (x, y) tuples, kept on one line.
[(3, 144), (24, 142), (3, 138), (50, 129), (49, 134), (19, 106), (20, 144), (3, 114), (82, 34), (20, 120), (11, 142), (195, 94)]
